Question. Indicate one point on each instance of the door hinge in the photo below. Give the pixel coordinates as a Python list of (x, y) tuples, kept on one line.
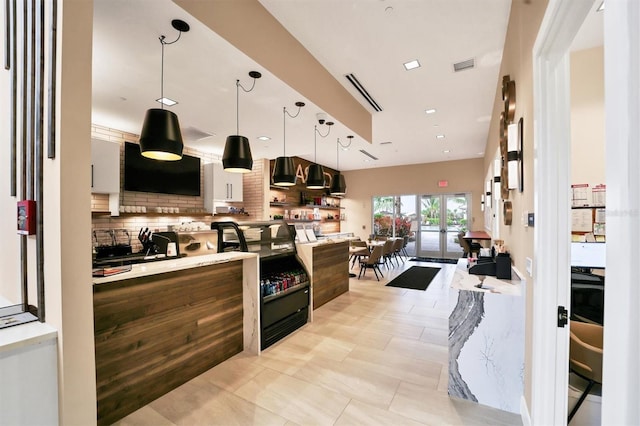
[(563, 316)]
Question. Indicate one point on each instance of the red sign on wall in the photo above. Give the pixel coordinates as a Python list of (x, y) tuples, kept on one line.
[(443, 183)]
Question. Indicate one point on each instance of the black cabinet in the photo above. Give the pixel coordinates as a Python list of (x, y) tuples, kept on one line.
[(284, 281)]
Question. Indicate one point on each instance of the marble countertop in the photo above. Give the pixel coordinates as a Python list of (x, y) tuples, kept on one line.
[(462, 280), (24, 335), (170, 265)]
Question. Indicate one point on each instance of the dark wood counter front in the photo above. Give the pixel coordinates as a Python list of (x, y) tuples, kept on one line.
[(156, 332), (328, 265)]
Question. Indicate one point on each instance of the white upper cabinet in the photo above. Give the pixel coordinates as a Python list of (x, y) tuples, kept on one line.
[(220, 185), (105, 167)]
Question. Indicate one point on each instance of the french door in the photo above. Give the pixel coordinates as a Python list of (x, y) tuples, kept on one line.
[(442, 216)]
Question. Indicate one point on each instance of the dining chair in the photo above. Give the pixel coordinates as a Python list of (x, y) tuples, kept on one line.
[(398, 243), (387, 252), (468, 247), (373, 261), (585, 356), (405, 242), (358, 249)]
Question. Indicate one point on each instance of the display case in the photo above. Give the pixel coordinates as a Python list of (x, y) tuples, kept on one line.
[(284, 281)]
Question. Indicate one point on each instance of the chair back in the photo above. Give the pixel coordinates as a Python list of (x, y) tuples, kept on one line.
[(358, 243), (397, 244), (375, 256), (463, 243), (585, 349), (387, 247)]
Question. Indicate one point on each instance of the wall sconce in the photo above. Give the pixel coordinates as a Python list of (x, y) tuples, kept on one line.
[(488, 194), (497, 170), (284, 171), (514, 156), (160, 137), (237, 151), (482, 202)]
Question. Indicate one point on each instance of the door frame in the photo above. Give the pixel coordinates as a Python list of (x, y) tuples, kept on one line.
[(443, 209), (552, 178)]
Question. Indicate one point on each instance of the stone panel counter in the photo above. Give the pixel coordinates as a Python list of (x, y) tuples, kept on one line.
[(486, 339)]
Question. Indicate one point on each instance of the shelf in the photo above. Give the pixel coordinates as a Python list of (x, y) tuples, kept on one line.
[(151, 214), (589, 207), (278, 204), (317, 206), (271, 297)]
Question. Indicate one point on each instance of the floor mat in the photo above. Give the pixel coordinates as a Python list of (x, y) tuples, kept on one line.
[(434, 259), (415, 278)]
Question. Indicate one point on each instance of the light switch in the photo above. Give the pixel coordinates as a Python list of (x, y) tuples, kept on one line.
[(530, 266)]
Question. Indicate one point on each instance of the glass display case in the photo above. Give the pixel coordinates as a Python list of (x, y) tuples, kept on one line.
[(284, 281)]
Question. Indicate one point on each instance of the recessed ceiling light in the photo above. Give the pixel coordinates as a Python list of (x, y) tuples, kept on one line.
[(481, 153), (439, 136), (411, 65), (446, 151), (264, 138), (430, 111), (601, 7), (167, 101)]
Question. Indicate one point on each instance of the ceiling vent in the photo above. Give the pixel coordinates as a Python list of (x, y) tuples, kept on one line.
[(368, 155), (464, 65), (194, 134), (386, 143), (360, 88)]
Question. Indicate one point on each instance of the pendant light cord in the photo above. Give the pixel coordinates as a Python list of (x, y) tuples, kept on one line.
[(284, 122), (163, 43), (240, 86)]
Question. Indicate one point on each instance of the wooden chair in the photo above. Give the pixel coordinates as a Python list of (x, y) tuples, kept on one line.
[(372, 262), (585, 356)]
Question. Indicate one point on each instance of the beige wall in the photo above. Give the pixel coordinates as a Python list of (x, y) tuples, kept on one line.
[(587, 117), (524, 23), (362, 185)]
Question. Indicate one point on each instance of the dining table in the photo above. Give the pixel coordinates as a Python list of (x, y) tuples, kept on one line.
[(478, 236)]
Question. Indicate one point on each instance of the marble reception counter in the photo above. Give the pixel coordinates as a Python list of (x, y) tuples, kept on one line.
[(486, 339)]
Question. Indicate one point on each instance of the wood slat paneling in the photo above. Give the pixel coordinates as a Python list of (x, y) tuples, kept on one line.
[(155, 333), (330, 272)]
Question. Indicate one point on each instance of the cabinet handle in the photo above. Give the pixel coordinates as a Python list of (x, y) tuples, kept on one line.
[(92, 175), (231, 191)]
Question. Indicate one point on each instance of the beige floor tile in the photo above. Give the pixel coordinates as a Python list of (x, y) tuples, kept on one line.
[(234, 372), (418, 349), (359, 413), (351, 380), (435, 407), (198, 402), (294, 399), (395, 329), (146, 416), (401, 367)]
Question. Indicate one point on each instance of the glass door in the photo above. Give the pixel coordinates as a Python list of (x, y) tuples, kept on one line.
[(442, 216)]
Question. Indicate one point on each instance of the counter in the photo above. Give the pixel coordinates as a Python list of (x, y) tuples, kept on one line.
[(327, 263), (486, 339), (163, 323)]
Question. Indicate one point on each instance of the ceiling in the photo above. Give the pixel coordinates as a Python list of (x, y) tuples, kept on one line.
[(369, 38)]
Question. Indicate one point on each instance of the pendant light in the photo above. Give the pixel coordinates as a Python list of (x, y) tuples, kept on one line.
[(315, 177), (160, 138), (284, 171), (237, 151), (338, 184)]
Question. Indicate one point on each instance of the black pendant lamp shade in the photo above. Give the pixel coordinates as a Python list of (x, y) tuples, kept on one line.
[(160, 138), (284, 172), (315, 179), (237, 155), (338, 185)]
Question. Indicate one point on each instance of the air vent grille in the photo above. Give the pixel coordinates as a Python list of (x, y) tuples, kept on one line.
[(464, 65), (368, 155), (386, 143), (194, 134), (365, 94)]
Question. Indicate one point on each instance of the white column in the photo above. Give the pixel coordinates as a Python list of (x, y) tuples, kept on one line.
[(621, 375)]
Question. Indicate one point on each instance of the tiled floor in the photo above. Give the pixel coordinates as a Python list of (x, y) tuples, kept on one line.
[(374, 356)]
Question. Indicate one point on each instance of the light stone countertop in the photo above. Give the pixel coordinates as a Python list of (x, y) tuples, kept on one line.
[(462, 280), (170, 265)]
